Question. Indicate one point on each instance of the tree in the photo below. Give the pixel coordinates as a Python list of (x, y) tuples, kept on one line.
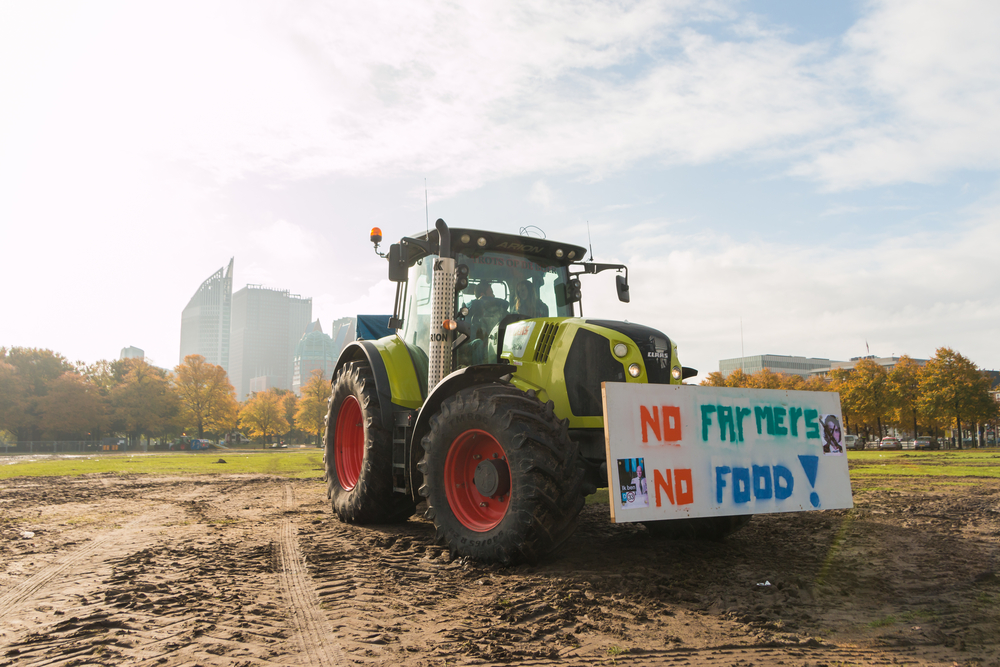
[(311, 416), (713, 379), (144, 401), (264, 415), (765, 379), (34, 370), (864, 393), (904, 384), (12, 397), (72, 409), (816, 383), (952, 387), (208, 400)]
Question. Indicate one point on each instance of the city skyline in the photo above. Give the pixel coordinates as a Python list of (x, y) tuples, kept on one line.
[(776, 176)]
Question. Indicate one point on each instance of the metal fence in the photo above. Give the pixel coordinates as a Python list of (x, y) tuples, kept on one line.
[(58, 447)]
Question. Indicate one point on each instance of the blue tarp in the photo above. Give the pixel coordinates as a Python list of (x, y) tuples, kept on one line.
[(373, 327)]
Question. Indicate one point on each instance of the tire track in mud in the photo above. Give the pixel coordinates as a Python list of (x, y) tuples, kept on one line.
[(312, 628), (390, 591), (194, 592), (31, 587)]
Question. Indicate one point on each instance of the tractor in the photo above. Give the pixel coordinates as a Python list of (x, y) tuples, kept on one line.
[(487, 403)]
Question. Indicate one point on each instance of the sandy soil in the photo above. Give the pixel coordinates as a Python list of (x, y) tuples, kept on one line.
[(255, 570)]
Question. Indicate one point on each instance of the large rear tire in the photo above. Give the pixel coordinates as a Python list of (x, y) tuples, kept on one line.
[(702, 528), (358, 452), (501, 475)]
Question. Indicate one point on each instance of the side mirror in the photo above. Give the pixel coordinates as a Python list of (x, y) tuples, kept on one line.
[(621, 284), (397, 264)]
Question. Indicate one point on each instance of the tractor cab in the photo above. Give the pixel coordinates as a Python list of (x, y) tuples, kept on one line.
[(498, 279), (497, 286)]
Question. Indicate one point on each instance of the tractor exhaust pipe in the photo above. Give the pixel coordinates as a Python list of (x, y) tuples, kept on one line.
[(442, 308)]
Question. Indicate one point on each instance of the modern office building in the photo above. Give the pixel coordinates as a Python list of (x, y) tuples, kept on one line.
[(343, 332), (776, 363), (266, 326), (315, 351), (205, 322), (132, 353), (888, 363)]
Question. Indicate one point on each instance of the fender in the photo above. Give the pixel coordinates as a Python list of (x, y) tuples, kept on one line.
[(366, 350), (449, 386)]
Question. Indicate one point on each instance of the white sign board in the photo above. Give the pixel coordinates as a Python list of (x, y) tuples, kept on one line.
[(683, 451)]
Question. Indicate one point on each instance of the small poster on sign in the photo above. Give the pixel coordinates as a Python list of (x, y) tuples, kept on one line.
[(632, 483)]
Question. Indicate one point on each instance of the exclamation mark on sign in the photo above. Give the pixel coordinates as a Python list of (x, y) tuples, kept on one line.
[(810, 464)]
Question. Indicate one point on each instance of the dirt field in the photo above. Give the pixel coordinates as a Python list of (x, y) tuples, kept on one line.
[(254, 570)]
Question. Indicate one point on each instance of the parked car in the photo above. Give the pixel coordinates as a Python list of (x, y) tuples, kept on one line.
[(925, 442), (890, 443), (853, 442)]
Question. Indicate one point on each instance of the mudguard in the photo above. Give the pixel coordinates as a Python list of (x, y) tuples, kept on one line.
[(450, 385), (398, 387)]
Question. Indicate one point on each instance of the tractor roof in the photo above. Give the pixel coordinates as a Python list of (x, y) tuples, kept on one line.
[(474, 242)]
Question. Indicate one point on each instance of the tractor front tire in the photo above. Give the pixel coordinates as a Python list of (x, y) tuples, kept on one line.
[(358, 452), (501, 475), (701, 528)]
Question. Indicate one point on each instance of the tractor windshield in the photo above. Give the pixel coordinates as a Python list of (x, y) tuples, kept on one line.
[(499, 284)]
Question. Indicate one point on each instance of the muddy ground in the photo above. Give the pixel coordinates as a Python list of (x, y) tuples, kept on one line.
[(255, 570)]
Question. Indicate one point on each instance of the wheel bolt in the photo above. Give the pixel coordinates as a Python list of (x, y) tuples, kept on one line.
[(476, 457), (482, 504)]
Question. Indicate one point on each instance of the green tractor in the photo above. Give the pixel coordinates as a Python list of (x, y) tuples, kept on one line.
[(487, 402)]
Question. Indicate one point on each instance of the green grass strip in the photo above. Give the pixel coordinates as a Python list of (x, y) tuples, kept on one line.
[(291, 463), (964, 463)]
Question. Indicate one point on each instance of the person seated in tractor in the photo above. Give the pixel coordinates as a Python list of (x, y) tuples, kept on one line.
[(486, 311), (527, 302)]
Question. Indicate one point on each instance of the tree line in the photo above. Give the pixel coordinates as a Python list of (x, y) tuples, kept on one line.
[(949, 391), (44, 397)]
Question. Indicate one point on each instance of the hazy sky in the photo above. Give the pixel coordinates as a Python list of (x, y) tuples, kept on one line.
[(824, 172)]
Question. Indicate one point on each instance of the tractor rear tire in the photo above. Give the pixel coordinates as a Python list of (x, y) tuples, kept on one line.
[(357, 456), (501, 475), (702, 528)]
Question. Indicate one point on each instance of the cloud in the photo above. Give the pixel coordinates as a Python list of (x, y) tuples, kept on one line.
[(283, 241), (475, 93), (927, 74), (903, 295), (541, 194)]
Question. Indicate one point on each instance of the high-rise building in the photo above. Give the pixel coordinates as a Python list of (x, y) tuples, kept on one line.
[(205, 321), (131, 352), (266, 325), (315, 351), (776, 363)]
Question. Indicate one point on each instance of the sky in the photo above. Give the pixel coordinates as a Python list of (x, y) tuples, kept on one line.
[(781, 177)]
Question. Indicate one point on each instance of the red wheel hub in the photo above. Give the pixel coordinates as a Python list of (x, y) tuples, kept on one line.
[(477, 480), (349, 443)]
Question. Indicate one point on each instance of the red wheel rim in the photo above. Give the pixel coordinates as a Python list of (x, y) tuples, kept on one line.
[(471, 507), (349, 443)]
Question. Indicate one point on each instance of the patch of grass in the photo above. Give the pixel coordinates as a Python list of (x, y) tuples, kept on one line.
[(504, 602), (921, 615), (291, 463), (81, 520), (615, 650), (598, 498), (958, 463), (879, 488), (882, 622)]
